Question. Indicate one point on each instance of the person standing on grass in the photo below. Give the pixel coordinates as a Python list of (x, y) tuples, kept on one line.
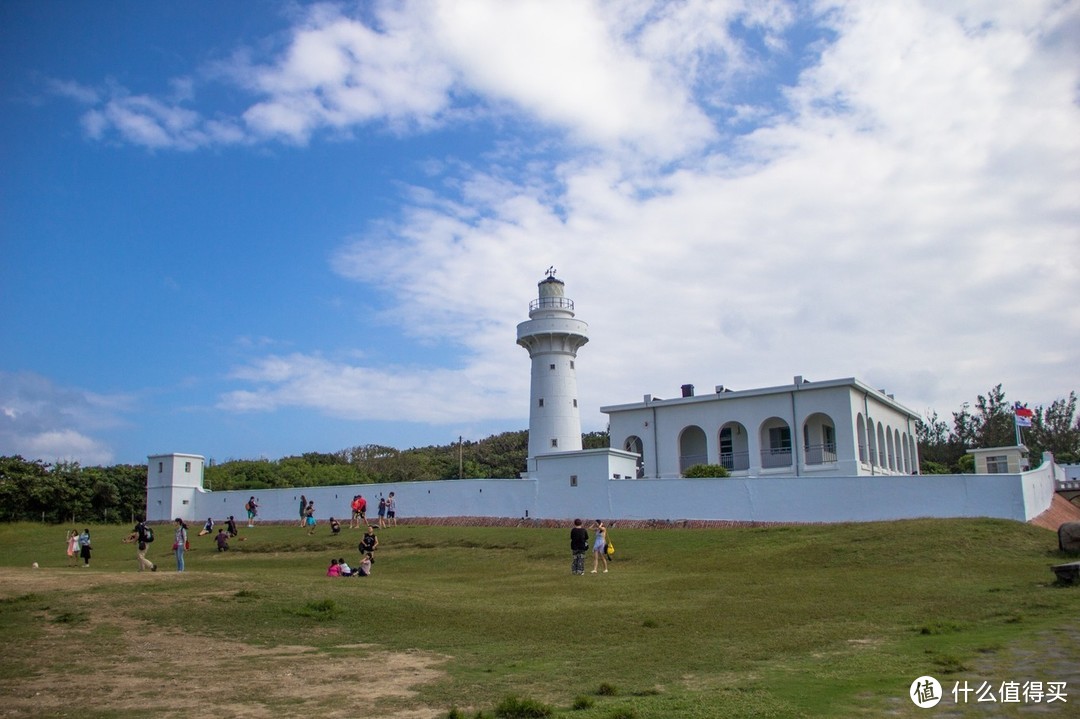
[(354, 523), (230, 523), (252, 508), (309, 517), (599, 547), (362, 521), (382, 510), (391, 510), (139, 535), (303, 511), (84, 547), (180, 543), (579, 544), (73, 547)]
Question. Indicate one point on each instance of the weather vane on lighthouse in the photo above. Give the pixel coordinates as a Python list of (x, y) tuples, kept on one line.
[(551, 271)]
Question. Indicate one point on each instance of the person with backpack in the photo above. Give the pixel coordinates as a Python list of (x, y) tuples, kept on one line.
[(252, 511), (143, 535)]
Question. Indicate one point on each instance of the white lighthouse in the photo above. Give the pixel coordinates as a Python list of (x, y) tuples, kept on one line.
[(552, 336)]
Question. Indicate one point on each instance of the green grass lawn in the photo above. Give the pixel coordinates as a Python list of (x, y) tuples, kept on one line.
[(775, 622)]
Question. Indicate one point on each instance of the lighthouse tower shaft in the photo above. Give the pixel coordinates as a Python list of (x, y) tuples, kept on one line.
[(552, 336)]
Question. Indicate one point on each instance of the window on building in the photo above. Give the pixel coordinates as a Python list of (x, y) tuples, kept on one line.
[(555, 442), (541, 404), (998, 464), (571, 364), (552, 366), (575, 403), (160, 467), (187, 467), (780, 438), (573, 480)]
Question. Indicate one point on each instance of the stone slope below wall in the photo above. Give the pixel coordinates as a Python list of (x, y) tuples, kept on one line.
[(1061, 510)]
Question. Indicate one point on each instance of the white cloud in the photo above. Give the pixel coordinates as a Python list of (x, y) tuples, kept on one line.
[(909, 216), (342, 390), (608, 74), (40, 420), (563, 62), (912, 222), (66, 445)]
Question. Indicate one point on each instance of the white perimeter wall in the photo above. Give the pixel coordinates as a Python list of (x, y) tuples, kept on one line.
[(780, 499)]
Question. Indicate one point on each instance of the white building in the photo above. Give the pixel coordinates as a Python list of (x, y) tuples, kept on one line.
[(832, 451), (836, 427), (553, 336)]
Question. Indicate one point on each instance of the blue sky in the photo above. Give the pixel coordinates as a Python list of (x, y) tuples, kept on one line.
[(264, 228)]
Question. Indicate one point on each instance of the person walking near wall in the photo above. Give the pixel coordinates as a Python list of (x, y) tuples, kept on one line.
[(303, 511), (252, 508), (180, 539), (579, 544), (382, 510), (309, 517), (599, 548)]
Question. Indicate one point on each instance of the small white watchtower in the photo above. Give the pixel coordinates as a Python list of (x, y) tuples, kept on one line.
[(552, 336)]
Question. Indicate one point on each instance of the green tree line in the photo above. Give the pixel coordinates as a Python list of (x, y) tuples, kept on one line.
[(991, 423), (65, 491)]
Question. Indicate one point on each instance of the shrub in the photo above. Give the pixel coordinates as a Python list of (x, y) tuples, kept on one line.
[(582, 702), (607, 690), (699, 471), (518, 708)]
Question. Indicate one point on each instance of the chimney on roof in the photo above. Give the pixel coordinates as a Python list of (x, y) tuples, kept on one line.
[(688, 390)]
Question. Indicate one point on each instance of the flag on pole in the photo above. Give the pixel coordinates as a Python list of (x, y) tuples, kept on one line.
[(1023, 415)]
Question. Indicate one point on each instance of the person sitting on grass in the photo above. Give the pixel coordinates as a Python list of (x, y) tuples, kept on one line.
[(335, 526), (334, 570), (364, 570), (346, 570), (208, 527), (370, 542), (222, 540)]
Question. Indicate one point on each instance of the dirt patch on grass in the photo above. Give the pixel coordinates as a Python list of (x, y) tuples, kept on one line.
[(121, 666)]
